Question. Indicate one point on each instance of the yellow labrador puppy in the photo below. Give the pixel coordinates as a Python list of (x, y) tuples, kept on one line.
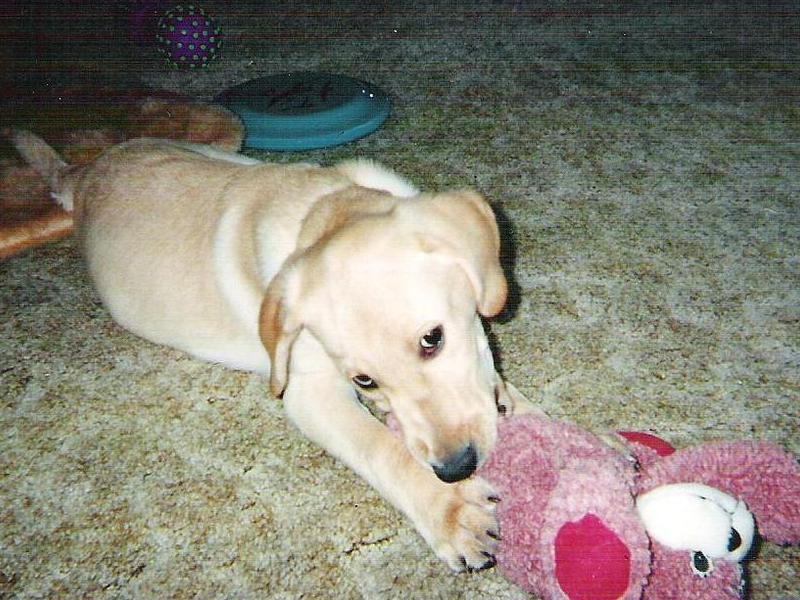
[(341, 282)]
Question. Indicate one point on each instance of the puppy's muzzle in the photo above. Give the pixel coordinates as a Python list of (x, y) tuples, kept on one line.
[(458, 466)]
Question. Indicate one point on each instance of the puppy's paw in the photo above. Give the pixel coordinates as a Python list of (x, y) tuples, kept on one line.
[(464, 529)]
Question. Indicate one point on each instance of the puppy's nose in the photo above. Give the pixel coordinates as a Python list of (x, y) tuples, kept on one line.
[(459, 466)]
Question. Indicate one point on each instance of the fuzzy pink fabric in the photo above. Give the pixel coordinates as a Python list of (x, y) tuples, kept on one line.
[(766, 477), (763, 475), (673, 579), (549, 474)]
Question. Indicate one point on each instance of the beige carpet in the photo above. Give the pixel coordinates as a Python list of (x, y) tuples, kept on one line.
[(647, 162)]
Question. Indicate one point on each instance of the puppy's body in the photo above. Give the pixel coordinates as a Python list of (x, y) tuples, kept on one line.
[(175, 260), (328, 278)]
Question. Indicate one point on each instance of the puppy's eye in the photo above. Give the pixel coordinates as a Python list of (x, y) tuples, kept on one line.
[(431, 342), (365, 382)]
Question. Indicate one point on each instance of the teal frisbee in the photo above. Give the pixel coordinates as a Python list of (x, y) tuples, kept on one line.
[(306, 110)]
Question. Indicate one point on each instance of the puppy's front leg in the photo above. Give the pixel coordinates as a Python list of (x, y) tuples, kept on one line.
[(457, 520)]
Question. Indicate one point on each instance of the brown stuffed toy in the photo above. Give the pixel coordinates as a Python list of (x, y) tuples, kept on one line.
[(81, 122)]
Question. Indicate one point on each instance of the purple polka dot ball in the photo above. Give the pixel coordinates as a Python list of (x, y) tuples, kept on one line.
[(188, 37)]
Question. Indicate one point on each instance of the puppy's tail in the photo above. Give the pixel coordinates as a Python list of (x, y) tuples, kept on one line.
[(46, 161)]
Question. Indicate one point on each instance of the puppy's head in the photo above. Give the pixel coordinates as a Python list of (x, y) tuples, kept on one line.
[(395, 296)]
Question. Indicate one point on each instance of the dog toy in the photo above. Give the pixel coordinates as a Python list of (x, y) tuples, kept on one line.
[(82, 121), (188, 37), (581, 520), (306, 110)]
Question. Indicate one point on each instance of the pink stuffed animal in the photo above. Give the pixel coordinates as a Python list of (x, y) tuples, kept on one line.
[(581, 521)]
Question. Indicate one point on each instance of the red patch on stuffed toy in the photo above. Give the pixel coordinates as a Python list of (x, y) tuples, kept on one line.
[(653, 442), (592, 563)]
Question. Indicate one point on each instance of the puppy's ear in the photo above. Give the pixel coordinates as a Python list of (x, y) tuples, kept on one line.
[(280, 323), (462, 226)]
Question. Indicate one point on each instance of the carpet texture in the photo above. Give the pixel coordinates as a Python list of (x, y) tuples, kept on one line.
[(646, 162)]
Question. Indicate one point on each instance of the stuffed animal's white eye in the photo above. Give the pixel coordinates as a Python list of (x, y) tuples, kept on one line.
[(696, 517), (431, 342), (365, 382)]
